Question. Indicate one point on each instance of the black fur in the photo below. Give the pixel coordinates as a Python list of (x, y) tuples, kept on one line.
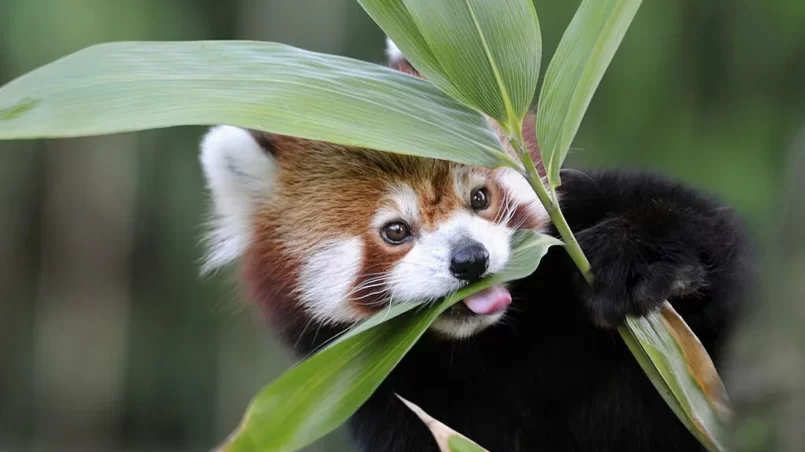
[(555, 376)]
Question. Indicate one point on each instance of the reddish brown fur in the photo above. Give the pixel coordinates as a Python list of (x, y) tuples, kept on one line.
[(378, 259), (403, 65), (271, 274)]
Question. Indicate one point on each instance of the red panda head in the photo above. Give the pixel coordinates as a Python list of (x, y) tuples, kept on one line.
[(334, 234)]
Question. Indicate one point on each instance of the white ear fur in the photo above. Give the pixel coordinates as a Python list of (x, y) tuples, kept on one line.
[(239, 175), (392, 51)]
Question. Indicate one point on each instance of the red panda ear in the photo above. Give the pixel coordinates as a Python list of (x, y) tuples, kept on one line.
[(239, 174), (266, 140), (531, 141), (396, 60)]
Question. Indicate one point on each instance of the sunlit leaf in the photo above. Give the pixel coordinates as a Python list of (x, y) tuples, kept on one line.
[(446, 438), (486, 54), (573, 75), (320, 393), (687, 371), (130, 86)]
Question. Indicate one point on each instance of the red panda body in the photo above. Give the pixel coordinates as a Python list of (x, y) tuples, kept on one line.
[(329, 235)]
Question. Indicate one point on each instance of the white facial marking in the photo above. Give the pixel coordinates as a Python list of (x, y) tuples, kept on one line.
[(465, 327), (327, 277), (239, 175), (405, 206), (520, 192), (424, 272), (392, 51)]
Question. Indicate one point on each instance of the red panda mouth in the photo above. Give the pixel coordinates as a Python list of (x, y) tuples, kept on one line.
[(491, 301)]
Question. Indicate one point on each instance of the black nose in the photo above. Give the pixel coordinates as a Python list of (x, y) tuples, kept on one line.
[(469, 262)]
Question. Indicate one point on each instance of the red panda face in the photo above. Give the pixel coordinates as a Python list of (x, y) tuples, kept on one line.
[(335, 234)]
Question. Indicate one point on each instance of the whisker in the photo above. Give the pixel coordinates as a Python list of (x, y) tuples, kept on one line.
[(366, 286), (302, 334), (381, 292)]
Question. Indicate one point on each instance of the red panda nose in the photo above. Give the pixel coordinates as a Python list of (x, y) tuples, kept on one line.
[(469, 261)]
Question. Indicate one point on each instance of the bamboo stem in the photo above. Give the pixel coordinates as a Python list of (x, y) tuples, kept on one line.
[(552, 206)]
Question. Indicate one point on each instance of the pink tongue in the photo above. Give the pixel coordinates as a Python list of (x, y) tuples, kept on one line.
[(489, 301)]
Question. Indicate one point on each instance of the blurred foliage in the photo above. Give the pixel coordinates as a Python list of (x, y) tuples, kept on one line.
[(768, 389), (109, 340)]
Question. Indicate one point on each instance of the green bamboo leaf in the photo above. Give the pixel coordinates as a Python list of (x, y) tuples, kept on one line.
[(446, 438), (461, 444), (687, 372), (394, 19), (573, 75), (642, 357), (467, 48), (320, 393), (130, 86)]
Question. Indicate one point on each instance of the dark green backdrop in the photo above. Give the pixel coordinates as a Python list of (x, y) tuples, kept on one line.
[(109, 340)]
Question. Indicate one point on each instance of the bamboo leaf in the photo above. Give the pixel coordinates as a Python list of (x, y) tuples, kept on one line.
[(699, 364), (687, 372), (130, 86), (645, 362), (462, 444), (573, 75), (394, 19), (446, 438), (466, 48), (320, 393)]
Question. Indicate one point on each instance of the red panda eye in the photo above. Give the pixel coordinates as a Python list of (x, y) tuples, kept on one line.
[(396, 232), (479, 200)]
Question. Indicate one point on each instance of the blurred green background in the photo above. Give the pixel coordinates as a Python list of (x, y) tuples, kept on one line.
[(109, 339)]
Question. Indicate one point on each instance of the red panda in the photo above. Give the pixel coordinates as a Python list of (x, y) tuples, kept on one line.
[(329, 235)]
